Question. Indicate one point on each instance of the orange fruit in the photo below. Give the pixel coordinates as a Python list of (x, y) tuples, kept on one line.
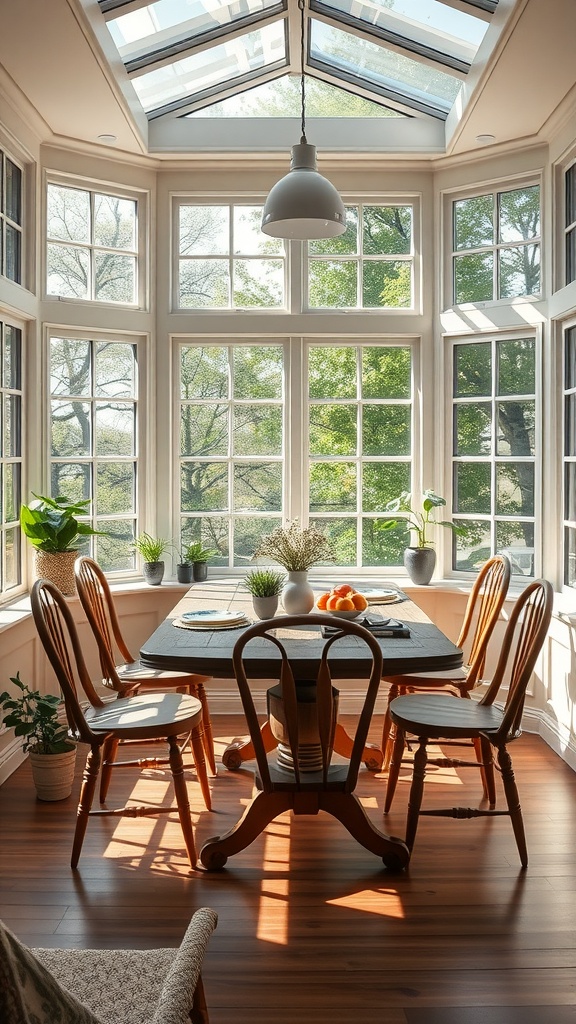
[(343, 589), (322, 601), (344, 604), (331, 603), (359, 601)]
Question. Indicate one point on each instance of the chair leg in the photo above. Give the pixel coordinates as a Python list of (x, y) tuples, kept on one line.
[(200, 765), (395, 764), (207, 734), (87, 792), (181, 793), (109, 751), (513, 801), (387, 726), (483, 749), (416, 791)]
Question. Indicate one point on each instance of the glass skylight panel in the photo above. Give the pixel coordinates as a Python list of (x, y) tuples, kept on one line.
[(167, 22), (281, 98), (219, 65), (385, 70)]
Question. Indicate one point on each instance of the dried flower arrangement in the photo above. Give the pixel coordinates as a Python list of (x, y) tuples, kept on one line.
[(296, 549)]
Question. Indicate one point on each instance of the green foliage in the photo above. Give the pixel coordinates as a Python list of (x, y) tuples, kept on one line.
[(264, 582), (34, 716), (51, 524), (417, 520), (196, 552), (151, 548)]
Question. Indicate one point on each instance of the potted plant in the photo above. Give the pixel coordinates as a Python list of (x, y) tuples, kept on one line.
[(297, 550), (151, 550), (34, 716), (53, 528), (265, 585), (196, 556), (420, 559)]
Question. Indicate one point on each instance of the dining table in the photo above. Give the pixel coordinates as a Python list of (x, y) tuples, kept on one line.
[(175, 645)]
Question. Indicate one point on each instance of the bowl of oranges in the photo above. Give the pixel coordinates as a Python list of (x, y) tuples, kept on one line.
[(342, 601)]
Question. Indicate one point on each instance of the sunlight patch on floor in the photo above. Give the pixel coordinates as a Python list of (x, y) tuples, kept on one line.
[(385, 902), (273, 903)]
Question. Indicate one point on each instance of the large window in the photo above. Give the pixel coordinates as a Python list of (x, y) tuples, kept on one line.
[(496, 245), (254, 448), (92, 245), (370, 266), (495, 430), (10, 455), (93, 439), (10, 219), (224, 260), (570, 457)]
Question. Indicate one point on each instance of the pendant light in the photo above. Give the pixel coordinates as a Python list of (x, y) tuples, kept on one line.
[(303, 204)]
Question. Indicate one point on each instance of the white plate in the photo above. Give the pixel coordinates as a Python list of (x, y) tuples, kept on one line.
[(212, 617), (381, 596)]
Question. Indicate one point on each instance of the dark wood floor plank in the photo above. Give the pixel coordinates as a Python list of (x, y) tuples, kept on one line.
[(311, 927)]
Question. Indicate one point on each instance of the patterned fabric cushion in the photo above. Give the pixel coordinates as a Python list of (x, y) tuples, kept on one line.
[(28, 992)]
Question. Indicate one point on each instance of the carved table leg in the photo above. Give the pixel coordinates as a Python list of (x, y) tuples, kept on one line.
[(243, 750)]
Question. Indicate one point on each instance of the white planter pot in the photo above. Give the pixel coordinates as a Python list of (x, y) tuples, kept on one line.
[(420, 564), (53, 774), (265, 607)]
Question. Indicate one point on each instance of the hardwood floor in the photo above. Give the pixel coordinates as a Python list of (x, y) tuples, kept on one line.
[(311, 927)]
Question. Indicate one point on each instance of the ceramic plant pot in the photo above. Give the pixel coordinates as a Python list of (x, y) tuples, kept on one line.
[(184, 572), (297, 596), (419, 564), (53, 774), (153, 573), (265, 607), (199, 571), (58, 567)]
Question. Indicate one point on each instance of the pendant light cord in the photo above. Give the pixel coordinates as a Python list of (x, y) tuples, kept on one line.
[(303, 140)]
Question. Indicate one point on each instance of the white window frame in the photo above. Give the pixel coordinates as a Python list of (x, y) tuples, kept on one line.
[(5, 154), (142, 199), (8, 593)]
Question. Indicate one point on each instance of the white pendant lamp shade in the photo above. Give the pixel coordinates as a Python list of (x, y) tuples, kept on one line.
[(303, 204)]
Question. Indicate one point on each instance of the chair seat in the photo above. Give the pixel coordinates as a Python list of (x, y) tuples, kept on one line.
[(147, 717), (134, 670), (450, 717), (455, 675)]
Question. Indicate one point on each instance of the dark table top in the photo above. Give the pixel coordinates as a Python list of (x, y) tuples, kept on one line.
[(210, 652)]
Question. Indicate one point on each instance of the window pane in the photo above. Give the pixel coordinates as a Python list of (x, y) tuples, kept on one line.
[(332, 372), (381, 482), (519, 271), (68, 214), (258, 372), (13, 192), (473, 277), (386, 430), (204, 429), (473, 429), (11, 499), (115, 488), (115, 430), (473, 222), (204, 230), (473, 491), (115, 278), (70, 367), (114, 222), (204, 283), (472, 370), (115, 553), (570, 556), (204, 372), (258, 486), (570, 425), (570, 195), (257, 430), (474, 546), (248, 533), (12, 357), (204, 487), (516, 428), (258, 283), (332, 487), (68, 271), (332, 284), (12, 419), (517, 541), (516, 367), (342, 534), (386, 283), (571, 256), (387, 230), (344, 244), (333, 430), (515, 489), (386, 372), (12, 268), (519, 214), (71, 429), (249, 240), (115, 370), (71, 479)]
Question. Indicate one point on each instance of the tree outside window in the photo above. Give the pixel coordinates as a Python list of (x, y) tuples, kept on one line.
[(92, 245), (496, 242)]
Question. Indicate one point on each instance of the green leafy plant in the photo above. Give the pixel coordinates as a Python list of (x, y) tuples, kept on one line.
[(151, 548), (296, 549), (51, 524), (265, 582), (34, 716), (417, 521), (196, 552)]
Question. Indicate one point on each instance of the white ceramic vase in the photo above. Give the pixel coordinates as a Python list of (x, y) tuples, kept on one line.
[(419, 564), (297, 596)]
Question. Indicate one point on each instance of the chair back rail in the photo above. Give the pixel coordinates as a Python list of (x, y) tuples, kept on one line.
[(96, 599), (483, 607)]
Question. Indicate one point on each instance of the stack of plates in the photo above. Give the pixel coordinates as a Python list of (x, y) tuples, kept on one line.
[(383, 595), (211, 618)]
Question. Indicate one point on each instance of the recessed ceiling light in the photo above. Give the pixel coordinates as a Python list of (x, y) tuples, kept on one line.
[(106, 138), (485, 138)]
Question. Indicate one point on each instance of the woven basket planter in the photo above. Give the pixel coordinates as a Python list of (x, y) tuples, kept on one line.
[(53, 774), (58, 567)]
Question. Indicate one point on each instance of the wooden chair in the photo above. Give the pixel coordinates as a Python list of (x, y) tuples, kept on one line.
[(102, 725), (92, 986), (302, 717), (433, 717), (131, 676), (482, 611)]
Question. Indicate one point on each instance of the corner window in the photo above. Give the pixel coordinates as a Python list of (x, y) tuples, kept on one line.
[(224, 261), (10, 219), (495, 426), (496, 245), (370, 266), (92, 245), (10, 456), (93, 439)]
